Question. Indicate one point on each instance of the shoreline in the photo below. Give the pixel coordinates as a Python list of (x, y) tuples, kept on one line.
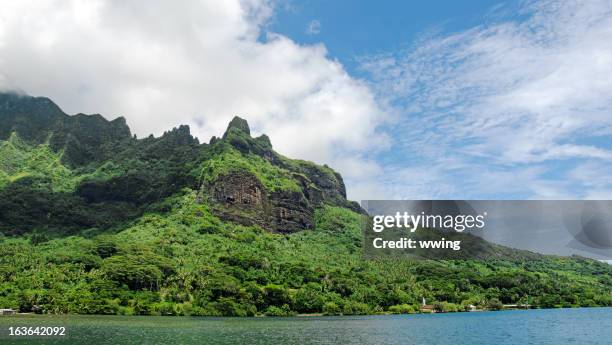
[(311, 315)]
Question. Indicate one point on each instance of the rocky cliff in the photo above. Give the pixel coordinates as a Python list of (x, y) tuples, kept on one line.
[(103, 167), (239, 194)]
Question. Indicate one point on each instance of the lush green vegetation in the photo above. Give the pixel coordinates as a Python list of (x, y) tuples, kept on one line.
[(93, 220), (185, 261), (20, 160), (40, 192), (231, 160)]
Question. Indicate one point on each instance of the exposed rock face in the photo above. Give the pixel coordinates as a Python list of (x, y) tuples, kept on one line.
[(322, 185), (291, 212), (312, 193), (242, 189), (242, 198)]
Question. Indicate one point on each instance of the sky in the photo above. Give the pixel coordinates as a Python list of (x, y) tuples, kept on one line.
[(408, 100)]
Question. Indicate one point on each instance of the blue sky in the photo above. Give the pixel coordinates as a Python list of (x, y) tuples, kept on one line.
[(351, 29), (374, 31), (407, 100)]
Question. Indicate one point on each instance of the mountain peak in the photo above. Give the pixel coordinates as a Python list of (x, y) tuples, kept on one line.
[(39, 120), (239, 124)]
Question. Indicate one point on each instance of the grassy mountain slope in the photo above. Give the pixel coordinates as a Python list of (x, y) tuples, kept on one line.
[(107, 223)]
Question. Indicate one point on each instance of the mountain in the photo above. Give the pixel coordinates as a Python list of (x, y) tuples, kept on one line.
[(103, 168), (95, 220), (81, 138)]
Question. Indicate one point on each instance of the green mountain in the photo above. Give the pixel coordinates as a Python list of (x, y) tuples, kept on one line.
[(94, 220)]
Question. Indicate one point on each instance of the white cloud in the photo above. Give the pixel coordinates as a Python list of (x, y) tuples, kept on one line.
[(314, 27), (518, 107), (197, 63), (508, 97)]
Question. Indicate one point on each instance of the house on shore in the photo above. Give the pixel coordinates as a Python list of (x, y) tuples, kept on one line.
[(427, 308), (7, 312)]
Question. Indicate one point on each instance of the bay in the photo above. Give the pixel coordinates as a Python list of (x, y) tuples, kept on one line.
[(550, 326)]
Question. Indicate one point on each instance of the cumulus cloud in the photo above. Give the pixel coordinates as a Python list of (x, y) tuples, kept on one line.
[(521, 102), (518, 107), (199, 63)]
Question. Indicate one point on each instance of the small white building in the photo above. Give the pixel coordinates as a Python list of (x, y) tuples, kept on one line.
[(7, 312)]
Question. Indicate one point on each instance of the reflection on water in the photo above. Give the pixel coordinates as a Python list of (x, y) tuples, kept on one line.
[(557, 326)]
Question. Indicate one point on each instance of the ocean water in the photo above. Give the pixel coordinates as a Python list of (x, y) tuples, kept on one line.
[(552, 326)]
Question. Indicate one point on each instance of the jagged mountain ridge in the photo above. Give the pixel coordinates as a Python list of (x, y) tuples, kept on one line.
[(242, 178), (38, 120)]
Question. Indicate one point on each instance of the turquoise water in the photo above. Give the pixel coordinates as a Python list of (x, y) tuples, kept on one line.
[(555, 326)]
